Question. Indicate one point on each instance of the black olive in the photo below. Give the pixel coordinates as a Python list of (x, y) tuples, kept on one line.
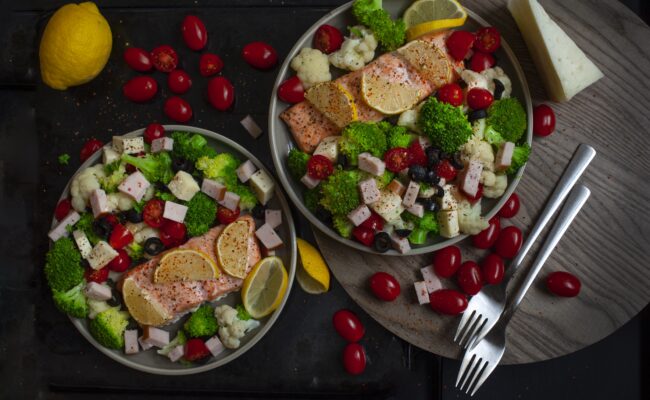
[(259, 212), (153, 246), (498, 89), (102, 227), (132, 324), (443, 155), (417, 173), (439, 191), (433, 156), (430, 205), (457, 162), (115, 300), (476, 115), (403, 232), (180, 164), (432, 178), (343, 161), (133, 216), (382, 242), (323, 214)]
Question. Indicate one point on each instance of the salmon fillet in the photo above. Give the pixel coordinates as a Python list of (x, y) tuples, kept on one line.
[(308, 125)]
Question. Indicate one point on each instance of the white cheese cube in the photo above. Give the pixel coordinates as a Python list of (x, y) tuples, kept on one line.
[(449, 201), (411, 194), (128, 145), (359, 214), (389, 206), (230, 201), (328, 147), (99, 202), (97, 291), (214, 345), (309, 181), (162, 144), (83, 244), (214, 189), (135, 185), (246, 170), (109, 155), (421, 292), (448, 221), (369, 191), (101, 255), (263, 186), (371, 164), (183, 186), (431, 279), (131, 341), (60, 230), (400, 244), (273, 218), (268, 237), (174, 211)]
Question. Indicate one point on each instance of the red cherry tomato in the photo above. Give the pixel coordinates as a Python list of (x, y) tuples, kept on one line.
[(328, 39), (319, 167), (152, 213), (62, 209), (227, 216), (140, 89), (354, 358), (291, 91), (260, 55), (179, 81), (178, 109), (99, 276), (347, 325), (194, 32), (476, 197), (470, 278), (492, 269), (152, 132), (89, 148), (385, 286), (511, 207), (121, 262), (543, 120), (195, 350), (138, 59), (221, 93), (374, 222), (417, 156), (210, 64), (445, 170), (488, 236), (509, 242), (448, 301), (364, 235), (479, 98), (446, 261), (164, 58), (451, 93), (176, 230), (488, 40), (459, 43), (563, 284), (167, 240), (481, 61), (111, 219), (397, 159), (120, 236)]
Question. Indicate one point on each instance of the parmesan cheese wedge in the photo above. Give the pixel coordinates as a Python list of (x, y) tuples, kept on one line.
[(565, 69)]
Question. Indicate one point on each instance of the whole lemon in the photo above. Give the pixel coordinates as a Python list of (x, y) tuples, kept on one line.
[(75, 46)]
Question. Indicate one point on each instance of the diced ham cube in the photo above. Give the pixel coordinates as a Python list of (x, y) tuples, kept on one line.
[(174, 211), (230, 201), (60, 230), (504, 156), (400, 244), (131, 341), (470, 177), (369, 191), (268, 237), (83, 244), (416, 209), (411, 194), (359, 214), (396, 187), (371, 164), (162, 144), (97, 291), (424, 141), (176, 353), (273, 218), (267, 253), (421, 292), (155, 337), (214, 189), (246, 170), (99, 202), (214, 345), (101, 255), (135, 185), (431, 279), (251, 126), (309, 181), (143, 344)]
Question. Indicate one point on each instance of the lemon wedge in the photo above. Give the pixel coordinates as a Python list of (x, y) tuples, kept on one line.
[(264, 287), (430, 61), (334, 101), (142, 307), (313, 275), (388, 96), (185, 265), (427, 16), (232, 248)]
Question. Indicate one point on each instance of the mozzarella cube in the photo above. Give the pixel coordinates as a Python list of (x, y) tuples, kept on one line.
[(230, 201), (97, 291), (99, 202), (369, 191), (174, 211), (214, 345), (273, 218), (263, 186), (421, 292), (400, 244), (328, 147), (359, 214), (411, 194), (214, 189), (389, 206), (246, 170), (268, 237), (449, 200), (309, 181), (416, 209), (448, 221), (183, 186), (109, 155), (128, 145), (135, 185), (371, 164), (60, 230), (131, 341), (101, 255), (83, 244), (162, 144), (431, 279)]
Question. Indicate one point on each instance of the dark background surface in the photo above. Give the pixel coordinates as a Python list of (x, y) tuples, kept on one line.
[(41, 353)]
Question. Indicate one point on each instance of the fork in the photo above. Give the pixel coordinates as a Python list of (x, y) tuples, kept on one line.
[(485, 308), (483, 356)]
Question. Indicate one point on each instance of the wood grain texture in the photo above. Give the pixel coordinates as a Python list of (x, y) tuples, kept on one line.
[(607, 244)]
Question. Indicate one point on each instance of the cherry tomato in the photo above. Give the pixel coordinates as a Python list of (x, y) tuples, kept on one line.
[(167, 240), (397, 159), (291, 91), (179, 81), (152, 132), (221, 93), (446, 261), (488, 236), (89, 148), (354, 358), (493, 269), (563, 284), (319, 167), (62, 209), (451, 93), (99, 276), (111, 219), (511, 207), (384, 286), (445, 170), (417, 156), (121, 262), (120, 236), (448, 301), (543, 120), (364, 235), (138, 59), (178, 109), (195, 349), (488, 40), (210, 64), (176, 230), (328, 39), (152, 213), (481, 61), (194, 32), (140, 89), (260, 55), (476, 197), (470, 278), (374, 222), (479, 98), (509, 242), (459, 43), (347, 325), (226, 216), (164, 58)]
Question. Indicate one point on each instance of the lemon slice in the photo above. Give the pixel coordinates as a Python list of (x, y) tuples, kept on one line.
[(141, 306), (185, 265), (427, 16), (388, 96), (313, 275), (430, 61), (232, 248), (334, 101), (264, 287)]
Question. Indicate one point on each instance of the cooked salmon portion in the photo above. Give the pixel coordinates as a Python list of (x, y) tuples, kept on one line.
[(308, 125)]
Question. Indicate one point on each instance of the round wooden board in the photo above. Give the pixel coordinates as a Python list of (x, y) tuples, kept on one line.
[(607, 244)]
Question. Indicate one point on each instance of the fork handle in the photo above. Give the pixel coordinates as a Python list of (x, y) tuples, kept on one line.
[(573, 205)]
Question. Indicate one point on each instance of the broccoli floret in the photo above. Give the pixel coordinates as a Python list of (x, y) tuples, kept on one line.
[(398, 136), (165, 196), (135, 251), (297, 163), (493, 137), (85, 224), (421, 226), (191, 147), (179, 340), (508, 117), (115, 174), (340, 193), (343, 225), (446, 125), (519, 157), (63, 269), (247, 199), (108, 327), (154, 167), (64, 159), (242, 314), (384, 179), (222, 168), (72, 302), (360, 137), (202, 322), (201, 213), (390, 34), (312, 198)]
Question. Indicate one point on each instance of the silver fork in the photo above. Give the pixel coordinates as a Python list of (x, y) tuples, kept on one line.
[(483, 356), (484, 308)]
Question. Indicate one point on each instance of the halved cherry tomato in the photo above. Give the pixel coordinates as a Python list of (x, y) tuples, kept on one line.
[(476, 197), (446, 261), (152, 132), (563, 284), (89, 148), (374, 222), (488, 40), (178, 109), (385, 286), (194, 32), (451, 93), (226, 216), (543, 120), (511, 207), (152, 213), (328, 39), (397, 159), (470, 278), (120, 236), (111, 219), (167, 240), (164, 58), (364, 235), (479, 98), (459, 43), (121, 262), (221, 93), (291, 91), (354, 358), (210, 64), (260, 55), (140, 89), (488, 236), (179, 81), (509, 242), (417, 156), (445, 170), (481, 61), (176, 230), (99, 276), (62, 209), (493, 268), (347, 324), (138, 59), (195, 349), (448, 301), (319, 167)]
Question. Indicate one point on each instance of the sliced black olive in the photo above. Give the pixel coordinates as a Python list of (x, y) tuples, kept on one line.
[(498, 89), (343, 161), (417, 173), (259, 212), (476, 115), (102, 227), (323, 214), (382, 242), (153, 246), (403, 232), (430, 205), (457, 162), (180, 164), (432, 178), (433, 156), (115, 300), (439, 191), (133, 216), (132, 324)]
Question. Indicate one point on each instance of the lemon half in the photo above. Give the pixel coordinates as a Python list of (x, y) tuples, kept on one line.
[(141, 306), (427, 16), (334, 101), (430, 61), (264, 287)]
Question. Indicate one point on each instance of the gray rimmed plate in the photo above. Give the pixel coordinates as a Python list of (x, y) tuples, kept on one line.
[(151, 362), (281, 140)]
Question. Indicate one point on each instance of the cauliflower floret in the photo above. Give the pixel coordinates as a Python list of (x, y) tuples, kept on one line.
[(470, 220), (356, 51), (474, 80), (119, 201), (141, 231), (231, 328), (498, 73), (488, 178), (312, 67), (477, 149), (409, 119), (83, 184), (496, 190)]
